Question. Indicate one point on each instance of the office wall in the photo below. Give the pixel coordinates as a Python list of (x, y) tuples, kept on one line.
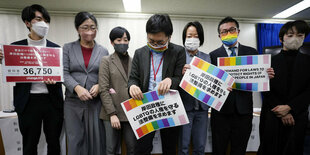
[(62, 31)]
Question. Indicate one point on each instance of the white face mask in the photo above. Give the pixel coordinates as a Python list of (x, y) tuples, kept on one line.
[(192, 44), (293, 43), (40, 28)]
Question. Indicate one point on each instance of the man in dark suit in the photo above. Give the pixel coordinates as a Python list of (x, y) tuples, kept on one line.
[(37, 103), (157, 66), (233, 123)]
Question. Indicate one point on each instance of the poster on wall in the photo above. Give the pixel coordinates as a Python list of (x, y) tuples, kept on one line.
[(31, 63), (207, 83), (155, 112), (249, 71)]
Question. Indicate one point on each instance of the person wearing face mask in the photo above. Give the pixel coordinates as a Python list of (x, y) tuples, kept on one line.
[(233, 123), (38, 103), (81, 60), (197, 112), (157, 66), (113, 77), (284, 114)]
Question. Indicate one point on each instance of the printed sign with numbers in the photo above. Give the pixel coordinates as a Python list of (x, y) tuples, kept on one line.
[(31, 64)]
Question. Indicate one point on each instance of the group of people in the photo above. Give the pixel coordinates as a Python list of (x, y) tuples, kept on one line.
[(96, 83)]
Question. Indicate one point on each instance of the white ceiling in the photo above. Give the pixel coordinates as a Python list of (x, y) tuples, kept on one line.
[(253, 9)]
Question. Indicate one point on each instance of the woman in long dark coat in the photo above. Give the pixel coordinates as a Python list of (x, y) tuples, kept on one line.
[(283, 119)]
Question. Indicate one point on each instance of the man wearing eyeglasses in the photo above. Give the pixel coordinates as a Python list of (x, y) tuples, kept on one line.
[(157, 66), (233, 123)]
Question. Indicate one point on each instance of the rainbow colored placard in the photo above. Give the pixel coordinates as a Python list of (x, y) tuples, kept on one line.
[(244, 60), (207, 83), (249, 71), (155, 112)]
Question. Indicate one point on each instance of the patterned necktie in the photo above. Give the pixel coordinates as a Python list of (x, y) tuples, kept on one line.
[(233, 52)]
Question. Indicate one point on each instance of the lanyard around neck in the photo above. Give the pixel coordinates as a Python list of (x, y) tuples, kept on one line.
[(155, 73)]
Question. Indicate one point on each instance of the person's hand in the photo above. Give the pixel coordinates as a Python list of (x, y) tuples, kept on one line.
[(1, 56), (186, 66), (94, 90), (50, 81), (164, 86), (281, 110), (115, 123), (135, 92), (112, 91), (82, 93), (288, 120), (271, 73), (229, 88)]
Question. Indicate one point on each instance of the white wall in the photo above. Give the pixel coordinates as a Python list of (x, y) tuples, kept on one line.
[(62, 31)]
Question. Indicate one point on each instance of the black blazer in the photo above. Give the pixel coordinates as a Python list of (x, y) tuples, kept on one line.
[(297, 95), (174, 61), (237, 101), (22, 90)]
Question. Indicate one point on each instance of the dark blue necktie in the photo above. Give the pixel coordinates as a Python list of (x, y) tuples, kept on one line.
[(233, 52)]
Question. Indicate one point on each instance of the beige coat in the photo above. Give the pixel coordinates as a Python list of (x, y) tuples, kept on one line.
[(113, 75)]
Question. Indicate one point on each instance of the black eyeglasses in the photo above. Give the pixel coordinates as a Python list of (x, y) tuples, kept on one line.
[(231, 30), (87, 28), (159, 42)]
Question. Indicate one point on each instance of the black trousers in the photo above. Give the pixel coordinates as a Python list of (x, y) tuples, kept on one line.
[(40, 110), (169, 140), (230, 128)]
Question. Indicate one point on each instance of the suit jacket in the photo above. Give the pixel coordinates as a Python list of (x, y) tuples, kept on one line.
[(187, 99), (113, 75), (240, 102), (174, 60), (75, 72), (21, 91)]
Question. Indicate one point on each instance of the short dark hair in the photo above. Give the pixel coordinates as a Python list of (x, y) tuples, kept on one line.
[(159, 23), (82, 16), (227, 19), (199, 29), (28, 13), (300, 25), (118, 32)]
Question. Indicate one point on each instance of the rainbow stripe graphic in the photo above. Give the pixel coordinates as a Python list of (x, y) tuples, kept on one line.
[(211, 69), (180, 118), (229, 39), (147, 97), (162, 49), (160, 124), (250, 86), (242, 60), (200, 95)]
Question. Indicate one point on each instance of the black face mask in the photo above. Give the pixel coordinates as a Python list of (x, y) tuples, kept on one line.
[(121, 48)]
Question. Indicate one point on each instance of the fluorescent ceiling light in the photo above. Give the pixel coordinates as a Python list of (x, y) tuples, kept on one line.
[(132, 5), (293, 9)]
